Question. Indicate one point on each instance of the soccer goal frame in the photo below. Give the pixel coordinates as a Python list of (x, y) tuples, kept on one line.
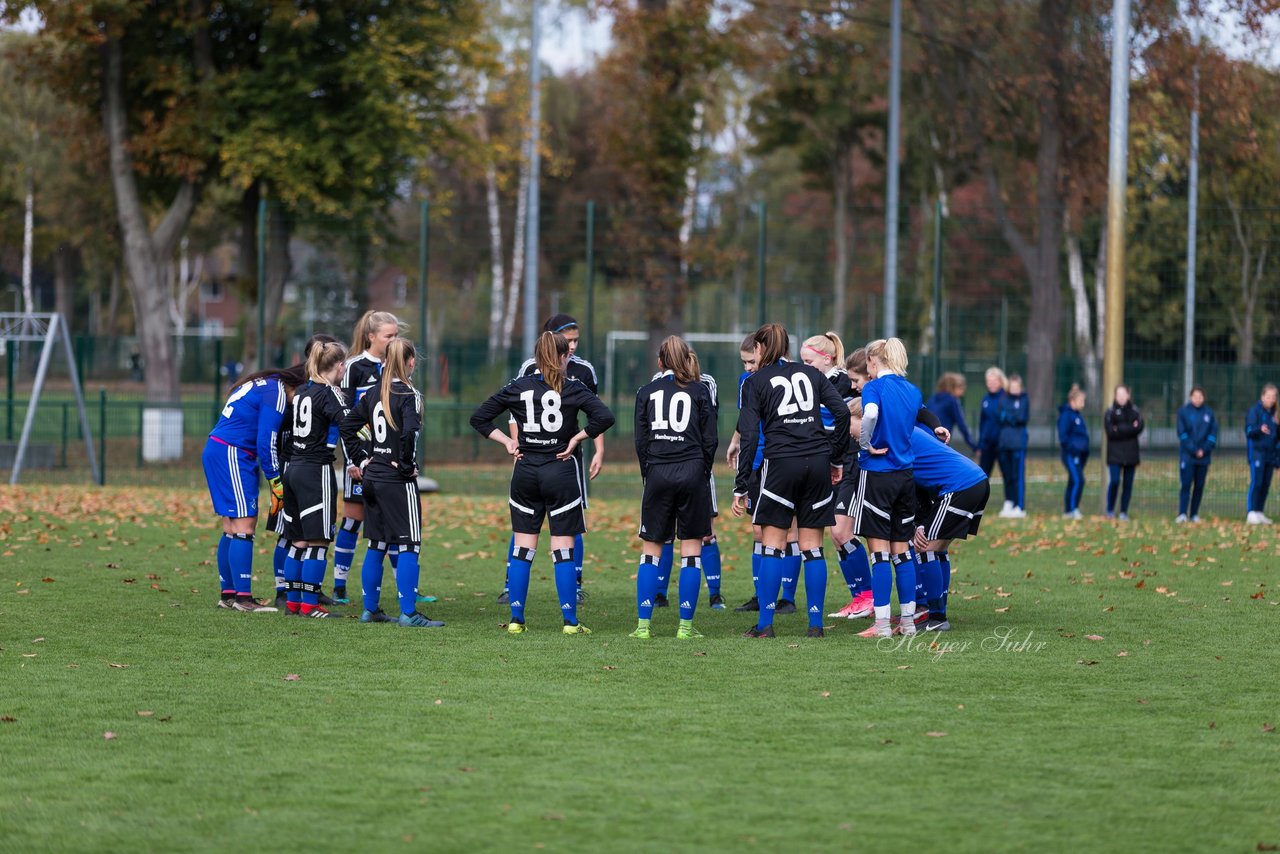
[(46, 329), (613, 337)]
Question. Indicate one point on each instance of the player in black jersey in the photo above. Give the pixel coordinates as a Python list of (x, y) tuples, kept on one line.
[(373, 332), (388, 468), (546, 480), (310, 488), (676, 440), (582, 371), (802, 462)]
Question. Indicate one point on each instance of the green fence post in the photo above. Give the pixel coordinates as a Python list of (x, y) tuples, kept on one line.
[(424, 259), (937, 290), (262, 283), (591, 275), (102, 437), (217, 368), (64, 435)]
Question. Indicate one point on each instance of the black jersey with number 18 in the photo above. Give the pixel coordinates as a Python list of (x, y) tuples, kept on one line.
[(545, 418)]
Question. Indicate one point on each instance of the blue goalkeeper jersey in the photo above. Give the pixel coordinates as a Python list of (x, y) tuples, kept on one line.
[(939, 467), (251, 421)]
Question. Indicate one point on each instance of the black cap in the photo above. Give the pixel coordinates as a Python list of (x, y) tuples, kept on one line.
[(559, 323)]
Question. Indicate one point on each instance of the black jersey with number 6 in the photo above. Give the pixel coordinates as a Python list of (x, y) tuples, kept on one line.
[(546, 419), (316, 407), (675, 424), (393, 450), (785, 399)]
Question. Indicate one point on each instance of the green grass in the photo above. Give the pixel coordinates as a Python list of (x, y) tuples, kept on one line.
[(1151, 738)]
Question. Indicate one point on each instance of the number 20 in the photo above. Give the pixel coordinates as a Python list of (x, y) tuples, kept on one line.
[(797, 394)]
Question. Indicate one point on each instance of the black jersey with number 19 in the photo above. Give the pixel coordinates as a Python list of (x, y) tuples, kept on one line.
[(316, 407), (546, 419), (785, 399)]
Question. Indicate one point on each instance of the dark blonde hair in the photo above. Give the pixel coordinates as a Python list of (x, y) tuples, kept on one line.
[(369, 323), (748, 343), (829, 345), (857, 362), (855, 408), (396, 367), (547, 353), (951, 382), (1074, 392), (676, 356), (323, 357), (774, 343)]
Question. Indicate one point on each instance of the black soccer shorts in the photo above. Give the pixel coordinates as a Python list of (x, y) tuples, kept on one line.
[(955, 515), (676, 503), (392, 511), (884, 506), (310, 501), (796, 488), (550, 489)]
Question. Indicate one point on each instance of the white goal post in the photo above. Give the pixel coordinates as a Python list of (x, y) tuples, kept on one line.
[(48, 329)]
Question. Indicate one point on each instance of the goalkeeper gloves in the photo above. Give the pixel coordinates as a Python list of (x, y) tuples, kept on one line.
[(277, 494)]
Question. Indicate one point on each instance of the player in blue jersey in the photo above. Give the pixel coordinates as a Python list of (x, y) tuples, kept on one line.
[(373, 332), (676, 439), (885, 504), (246, 439), (546, 481), (1073, 438), (945, 403), (1261, 427), (956, 492), (750, 360), (1012, 414), (1197, 437)]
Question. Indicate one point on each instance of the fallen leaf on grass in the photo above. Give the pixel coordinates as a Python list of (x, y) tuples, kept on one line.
[(1268, 727), (292, 677), (1258, 595), (466, 769), (935, 734), (1094, 637), (30, 654), (1003, 610), (904, 666), (1140, 584), (610, 667), (439, 702), (117, 666), (971, 598), (1086, 662), (699, 655), (826, 694), (1124, 653), (8, 719), (1142, 702), (143, 713), (37, 640), (109, 735), (1262, 846), (1213, 724), (886, 741), (47, 580)]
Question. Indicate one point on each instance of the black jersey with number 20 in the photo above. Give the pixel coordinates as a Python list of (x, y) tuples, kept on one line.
[(785, 400), (545, 418)]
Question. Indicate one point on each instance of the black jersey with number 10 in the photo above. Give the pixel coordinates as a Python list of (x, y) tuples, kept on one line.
[(675, 424), (393, 450), (785, 399), (545, 418), (316, 407)]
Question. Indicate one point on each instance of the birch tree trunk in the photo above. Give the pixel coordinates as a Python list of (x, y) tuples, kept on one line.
[(1083, 316), (517, 259), (839, 235), (28, 244)]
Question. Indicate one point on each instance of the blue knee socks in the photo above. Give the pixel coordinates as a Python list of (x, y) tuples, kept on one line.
[(578, 551), (518, 567), (240, 558), (665, 562), (371, 575), (881, 584), (904, 572), (944, 561), (854, 567), (770, 581), (791, 566), (815, 585), (646, 586), (690, 584), (293, 577), (406, 570), (314, 559), (757, 554), (711, 566), (344, 552), (226, 586), (278, 558), (930, 573), (566, 584)]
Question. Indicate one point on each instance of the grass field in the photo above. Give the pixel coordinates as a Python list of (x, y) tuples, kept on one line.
[(1105, 688)]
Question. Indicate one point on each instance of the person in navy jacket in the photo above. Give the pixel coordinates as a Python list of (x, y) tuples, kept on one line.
[(1260, 426), (988, 424), (945, 404), (1073, 438), (1012, 418), (1197, 437)]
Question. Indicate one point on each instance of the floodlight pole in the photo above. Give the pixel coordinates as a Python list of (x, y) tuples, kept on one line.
[(531, 221), (1117, 177), (1193, 201), (891, 169)]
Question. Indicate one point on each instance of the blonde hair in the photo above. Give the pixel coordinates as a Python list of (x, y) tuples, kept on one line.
[(547, 353), (323, 357), (891, 353), (396, 367), (993, 371), (951, 382), (855, 408), (368, 324), (1076, 392), (676, 356), (829, 345)]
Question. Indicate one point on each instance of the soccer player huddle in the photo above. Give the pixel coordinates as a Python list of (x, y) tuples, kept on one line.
[(822, 443), (288, 422)]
